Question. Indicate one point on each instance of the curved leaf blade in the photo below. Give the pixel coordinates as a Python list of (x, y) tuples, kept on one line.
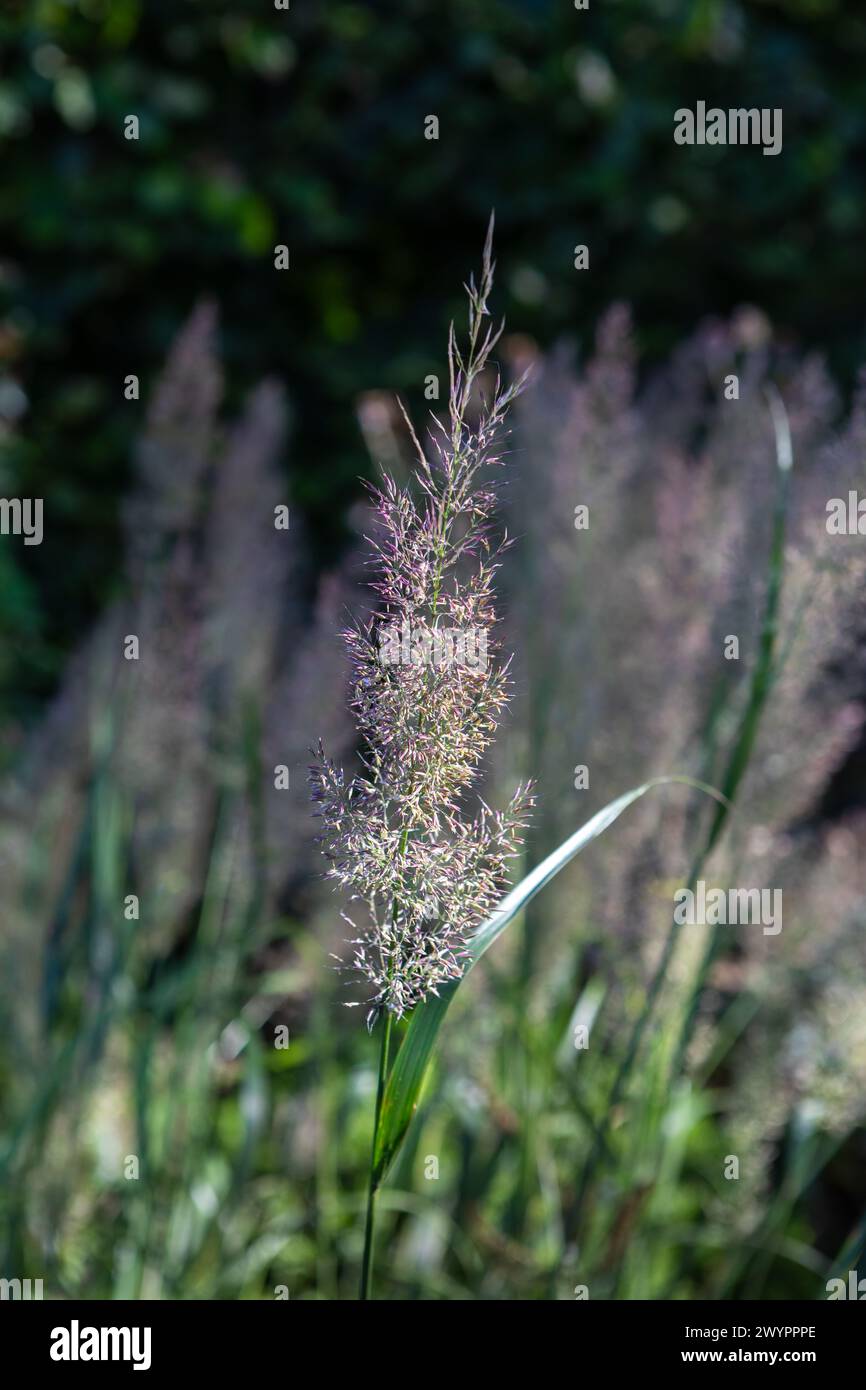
[(406, 1081)]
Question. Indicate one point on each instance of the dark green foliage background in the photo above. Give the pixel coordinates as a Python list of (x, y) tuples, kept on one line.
[(305, 127)]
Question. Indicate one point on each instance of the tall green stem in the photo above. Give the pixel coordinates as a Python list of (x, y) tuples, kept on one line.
[(367, 1265)]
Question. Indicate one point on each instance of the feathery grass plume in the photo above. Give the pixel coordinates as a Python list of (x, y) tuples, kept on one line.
[(306, 694), (208, 599), (641, 603), (131, 784), (427, 693)]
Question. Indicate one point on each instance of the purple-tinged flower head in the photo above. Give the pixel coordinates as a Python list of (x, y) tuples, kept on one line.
[(427, 692)]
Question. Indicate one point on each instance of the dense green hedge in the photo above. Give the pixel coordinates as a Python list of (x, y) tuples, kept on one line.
[(306, 128)]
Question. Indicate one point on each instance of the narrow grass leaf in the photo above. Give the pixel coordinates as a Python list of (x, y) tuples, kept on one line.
[(405, 1083)]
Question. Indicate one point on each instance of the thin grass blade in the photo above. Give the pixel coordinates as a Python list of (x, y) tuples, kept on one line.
[(406, 1080)]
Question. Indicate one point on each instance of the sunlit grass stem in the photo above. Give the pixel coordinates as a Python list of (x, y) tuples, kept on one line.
[(367, 1261)]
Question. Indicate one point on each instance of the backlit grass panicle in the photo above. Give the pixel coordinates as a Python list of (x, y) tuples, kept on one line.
[(427, 692)]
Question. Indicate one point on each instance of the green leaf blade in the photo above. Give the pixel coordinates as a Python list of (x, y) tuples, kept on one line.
[(405, 1083)]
